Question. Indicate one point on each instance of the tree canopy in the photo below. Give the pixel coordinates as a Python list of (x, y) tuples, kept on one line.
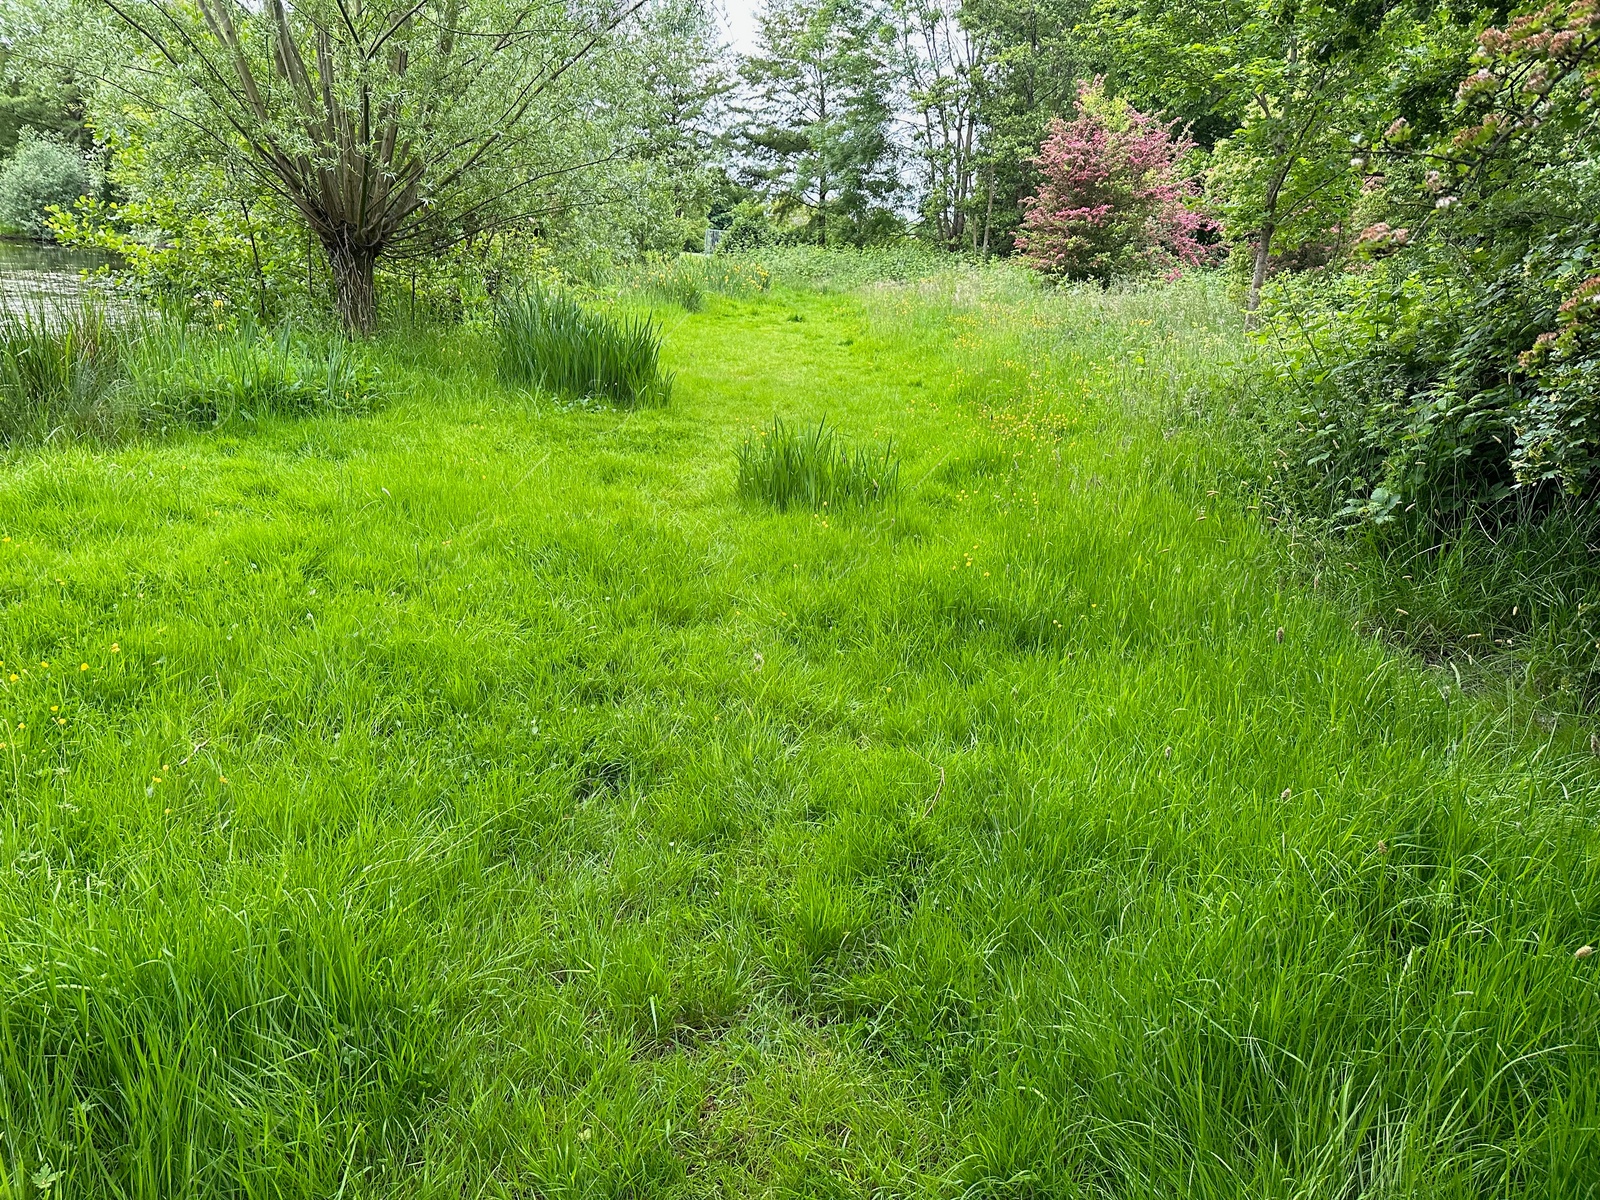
[(388, 128)]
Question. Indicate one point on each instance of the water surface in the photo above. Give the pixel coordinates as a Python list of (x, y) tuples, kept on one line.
[(35, 275)]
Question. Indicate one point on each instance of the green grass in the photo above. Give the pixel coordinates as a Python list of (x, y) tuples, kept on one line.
[(81, 372), (56, 368), (845, 268), (181, 375), (687, 279), (478, 799), (550, 341), (813, 468)]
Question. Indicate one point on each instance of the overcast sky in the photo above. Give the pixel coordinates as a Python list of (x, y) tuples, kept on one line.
[(739, 23)]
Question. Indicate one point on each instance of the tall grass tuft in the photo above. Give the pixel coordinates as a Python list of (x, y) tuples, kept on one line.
[(183, 375), (77, 372), (685, 280), (550, 341), (56, 370), (676, 283), (814, 468)]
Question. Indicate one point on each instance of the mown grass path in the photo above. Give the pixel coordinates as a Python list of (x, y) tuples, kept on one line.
[(478, 799)]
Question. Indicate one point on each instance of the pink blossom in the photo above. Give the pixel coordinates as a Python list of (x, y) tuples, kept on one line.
[(1478, 83)]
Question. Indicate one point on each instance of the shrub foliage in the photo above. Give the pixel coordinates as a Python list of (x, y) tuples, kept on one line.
[(42, 174), (1112, 198), (1450, 369)]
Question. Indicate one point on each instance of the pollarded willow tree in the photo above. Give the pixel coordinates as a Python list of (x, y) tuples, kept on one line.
[(391, 127)]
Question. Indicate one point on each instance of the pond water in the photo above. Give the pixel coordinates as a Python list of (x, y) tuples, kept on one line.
[(33, 275)]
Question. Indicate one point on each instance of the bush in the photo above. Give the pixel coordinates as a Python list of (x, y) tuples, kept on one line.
[(550, 341), (1113, 199), (80, 373), (42, 174), (1430, 387), (814, 469), (751, 229), (1448, 371), (1434, 405)]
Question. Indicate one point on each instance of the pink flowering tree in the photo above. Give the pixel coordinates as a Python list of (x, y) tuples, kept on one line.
[(1113, 198)]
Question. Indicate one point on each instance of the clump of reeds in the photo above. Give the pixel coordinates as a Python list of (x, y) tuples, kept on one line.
[(56, 369), (77, 371), (676, 283), (814, 468), (184, 375), (550, 341)]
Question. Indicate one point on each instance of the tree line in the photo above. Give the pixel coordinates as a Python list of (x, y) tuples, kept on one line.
[(1407, 193)]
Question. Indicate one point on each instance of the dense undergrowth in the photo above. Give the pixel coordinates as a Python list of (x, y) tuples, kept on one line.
[(1380, 444), (84, 371), (482, 798)]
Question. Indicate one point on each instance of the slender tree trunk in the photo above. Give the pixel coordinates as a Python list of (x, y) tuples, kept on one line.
[(354, 293), (822, 167), (1258, 277), (965, 182), (1284, 148), (1269, 227), (989, 210), (255, 257)]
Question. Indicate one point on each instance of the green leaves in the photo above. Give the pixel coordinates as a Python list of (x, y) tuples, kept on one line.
[(816, 132), (388, 128)]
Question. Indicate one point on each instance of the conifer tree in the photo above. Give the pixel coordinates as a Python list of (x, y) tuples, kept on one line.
[(815, 135)]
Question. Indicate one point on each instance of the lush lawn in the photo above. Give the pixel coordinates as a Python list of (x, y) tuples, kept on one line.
[(477, 798)]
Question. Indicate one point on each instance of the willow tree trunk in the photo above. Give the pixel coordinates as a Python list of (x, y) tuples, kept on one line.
[(353, 289)]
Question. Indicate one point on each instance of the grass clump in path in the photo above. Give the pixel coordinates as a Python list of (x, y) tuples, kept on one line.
[(476, 799), (550, 341), (814, 468)]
